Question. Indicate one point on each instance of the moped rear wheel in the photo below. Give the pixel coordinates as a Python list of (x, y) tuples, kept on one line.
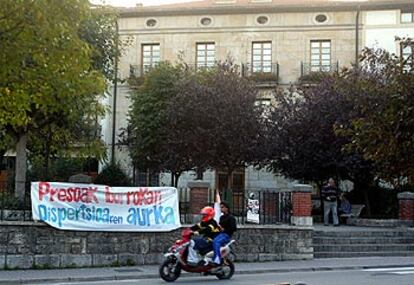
[(170, 270), (227, 270)]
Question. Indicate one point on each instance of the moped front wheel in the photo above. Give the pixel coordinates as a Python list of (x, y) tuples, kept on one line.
[(227, 270), (170, 270)]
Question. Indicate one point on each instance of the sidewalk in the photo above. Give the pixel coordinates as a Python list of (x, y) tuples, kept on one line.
[(151, 271)]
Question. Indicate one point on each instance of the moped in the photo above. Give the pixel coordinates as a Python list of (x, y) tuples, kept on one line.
[(176, 260)]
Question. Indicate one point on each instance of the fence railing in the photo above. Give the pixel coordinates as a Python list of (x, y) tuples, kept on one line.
[(274, 205), (11, 209)]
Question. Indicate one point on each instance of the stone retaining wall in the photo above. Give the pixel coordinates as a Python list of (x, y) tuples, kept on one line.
[(36, 245)]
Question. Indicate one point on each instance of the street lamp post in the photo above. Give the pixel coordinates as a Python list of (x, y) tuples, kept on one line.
[(115, 94)]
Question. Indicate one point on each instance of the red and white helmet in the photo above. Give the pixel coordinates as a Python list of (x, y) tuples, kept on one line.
[(207, 213)]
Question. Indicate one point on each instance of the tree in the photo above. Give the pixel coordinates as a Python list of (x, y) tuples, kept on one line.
[(146, 135), (45, 70), (99, 31), (183, 120), (302, 131), (79, 135), (217, 121), (384, 131)]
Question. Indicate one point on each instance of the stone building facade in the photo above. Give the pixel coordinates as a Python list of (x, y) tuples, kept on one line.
[(281, 40)]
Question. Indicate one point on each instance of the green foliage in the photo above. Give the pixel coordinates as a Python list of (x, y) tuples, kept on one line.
[(130, 262), (384, 130), (52, 76), (60, 169), (8, 201), (99, 30), (383, 201), (264, 77), (113, 175), (313, 77), (183, 119), (146, 133), (304, 144)]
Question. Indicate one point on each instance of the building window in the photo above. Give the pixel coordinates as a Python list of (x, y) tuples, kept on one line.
[(147, 178), (150, 56), (262, 57), (320, 55), (407, 56), (205, 55), (407, 16)]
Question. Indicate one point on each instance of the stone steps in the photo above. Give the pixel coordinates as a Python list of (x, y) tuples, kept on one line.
[(365, 240), (356, 234), (361, 254), (358, 242), (364, 248)]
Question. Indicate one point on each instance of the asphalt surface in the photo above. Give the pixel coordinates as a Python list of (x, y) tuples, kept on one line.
[(151, 271)]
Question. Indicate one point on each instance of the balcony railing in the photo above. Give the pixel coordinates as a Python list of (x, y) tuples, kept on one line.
[(308, 69), (267, 75)]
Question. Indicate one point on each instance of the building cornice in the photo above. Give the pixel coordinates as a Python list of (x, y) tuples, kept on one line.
[(265, 8)]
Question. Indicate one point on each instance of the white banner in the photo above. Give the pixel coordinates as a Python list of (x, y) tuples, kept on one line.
[(253, 211), (91, 207)]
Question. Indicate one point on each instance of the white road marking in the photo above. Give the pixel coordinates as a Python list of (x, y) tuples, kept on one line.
[(403, 272), (388, 269)]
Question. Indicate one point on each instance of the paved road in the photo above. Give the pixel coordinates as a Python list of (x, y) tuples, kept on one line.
[(377, 276), (292, 268)]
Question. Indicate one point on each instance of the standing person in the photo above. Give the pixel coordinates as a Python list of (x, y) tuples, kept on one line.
[(330, 195), (228, 227)]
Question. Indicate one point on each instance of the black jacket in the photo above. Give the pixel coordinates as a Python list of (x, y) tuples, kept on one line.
[(209, 229), (228, 223)]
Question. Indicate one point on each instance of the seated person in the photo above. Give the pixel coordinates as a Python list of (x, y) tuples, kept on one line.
[(344, 206), (228, 226), (209, 229)]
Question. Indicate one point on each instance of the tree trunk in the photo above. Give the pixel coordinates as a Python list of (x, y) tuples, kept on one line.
[(46, 158), (366, 199), (21, 168)]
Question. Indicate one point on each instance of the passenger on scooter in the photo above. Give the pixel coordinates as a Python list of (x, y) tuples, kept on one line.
[(228, 227), (209, 229)]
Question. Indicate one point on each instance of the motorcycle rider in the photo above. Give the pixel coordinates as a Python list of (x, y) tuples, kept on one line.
[(209, 229)]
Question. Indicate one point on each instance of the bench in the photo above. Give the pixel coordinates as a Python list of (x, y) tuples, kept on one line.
[(355, 212)]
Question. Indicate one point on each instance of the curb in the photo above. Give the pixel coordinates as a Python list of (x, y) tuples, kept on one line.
[(186, 275)]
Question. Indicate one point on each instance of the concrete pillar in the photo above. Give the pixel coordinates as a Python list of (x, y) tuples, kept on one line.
[(302, 205), (406, 206)]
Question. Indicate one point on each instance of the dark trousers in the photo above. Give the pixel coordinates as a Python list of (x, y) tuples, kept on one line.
[(202, 245)]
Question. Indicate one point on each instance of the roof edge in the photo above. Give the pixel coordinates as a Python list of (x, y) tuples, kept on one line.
[(220, 10)]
